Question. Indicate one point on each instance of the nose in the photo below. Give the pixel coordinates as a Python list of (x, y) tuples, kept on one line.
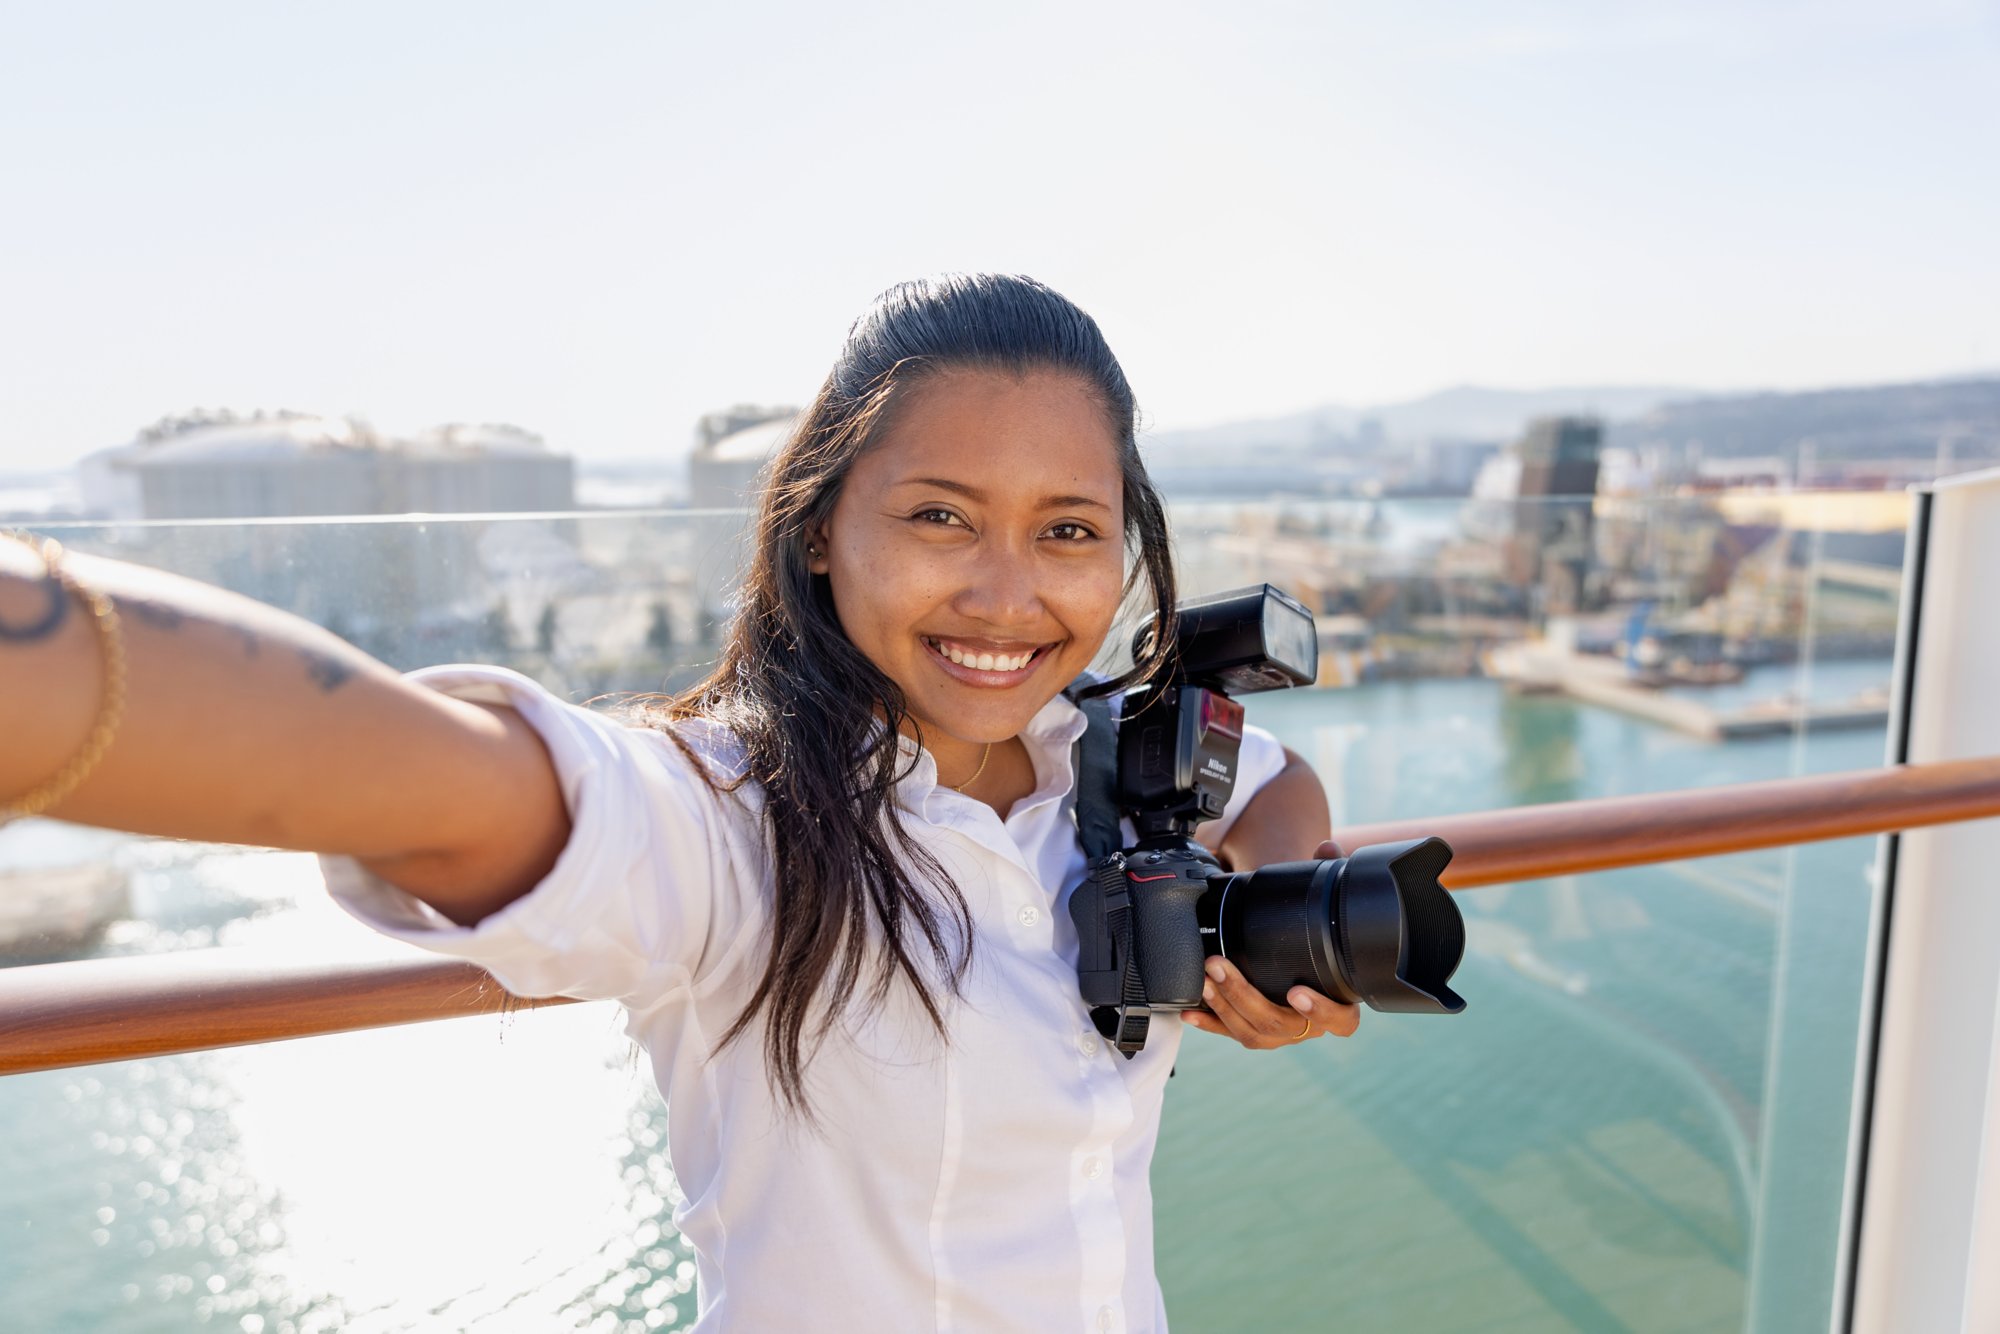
[(1002, 586)]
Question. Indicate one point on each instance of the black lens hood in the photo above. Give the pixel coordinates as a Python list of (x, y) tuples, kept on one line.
[(1398, 934)]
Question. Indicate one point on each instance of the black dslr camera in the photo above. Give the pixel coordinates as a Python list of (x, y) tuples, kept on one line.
[(1373, 926)]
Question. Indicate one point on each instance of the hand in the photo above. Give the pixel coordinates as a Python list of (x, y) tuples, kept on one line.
[(1240, 1011)]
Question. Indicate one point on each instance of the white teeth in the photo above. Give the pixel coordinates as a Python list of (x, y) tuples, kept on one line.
[(984, 662)]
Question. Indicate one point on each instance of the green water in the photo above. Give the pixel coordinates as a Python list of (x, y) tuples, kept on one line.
[(1593, 1143), (1614, 1136)]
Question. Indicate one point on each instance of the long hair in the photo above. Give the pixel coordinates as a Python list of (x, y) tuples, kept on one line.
[(819, 723)]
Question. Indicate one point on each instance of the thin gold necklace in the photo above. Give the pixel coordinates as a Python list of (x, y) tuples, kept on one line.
[(984, 756)]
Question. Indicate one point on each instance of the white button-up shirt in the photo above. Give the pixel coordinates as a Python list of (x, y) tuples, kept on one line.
[(994, 1181)]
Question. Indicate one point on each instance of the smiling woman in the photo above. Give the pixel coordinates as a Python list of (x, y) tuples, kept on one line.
[(827, 884), (967, 480)]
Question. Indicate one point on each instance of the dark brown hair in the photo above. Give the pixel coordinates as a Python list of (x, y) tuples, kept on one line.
[(810, 709)]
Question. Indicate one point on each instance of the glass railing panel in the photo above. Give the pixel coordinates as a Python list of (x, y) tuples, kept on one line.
[(1600, 1141), (451, 1175), (1644, 1125), (1640, 1123), (479, 1173)]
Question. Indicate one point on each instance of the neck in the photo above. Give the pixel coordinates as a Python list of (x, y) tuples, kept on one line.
[(960, 765), (985, 755), (1007, 775)]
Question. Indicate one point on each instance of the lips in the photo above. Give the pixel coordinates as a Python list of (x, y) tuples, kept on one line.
[(984, 664)]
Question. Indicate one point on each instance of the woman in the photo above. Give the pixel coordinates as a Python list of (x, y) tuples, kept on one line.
[(827, 884)]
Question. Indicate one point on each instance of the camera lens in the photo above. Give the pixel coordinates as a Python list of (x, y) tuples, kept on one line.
[(1374, 927)]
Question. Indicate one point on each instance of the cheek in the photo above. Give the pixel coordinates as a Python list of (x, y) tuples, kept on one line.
[(877, 595), (1091, 596)]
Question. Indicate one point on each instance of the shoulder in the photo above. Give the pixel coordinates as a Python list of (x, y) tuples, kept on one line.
[(706, 761), (712, 746)]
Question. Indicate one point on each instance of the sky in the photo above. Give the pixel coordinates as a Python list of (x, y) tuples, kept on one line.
[(600, 221)]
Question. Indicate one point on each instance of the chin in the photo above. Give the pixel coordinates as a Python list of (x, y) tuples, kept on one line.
[(980, 726)]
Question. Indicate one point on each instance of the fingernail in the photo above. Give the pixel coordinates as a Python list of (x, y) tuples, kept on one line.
[(1208, 992), (1302, 1002), (1215, 969)]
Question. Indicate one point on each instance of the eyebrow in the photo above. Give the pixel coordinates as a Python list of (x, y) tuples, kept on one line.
[(973, 493)]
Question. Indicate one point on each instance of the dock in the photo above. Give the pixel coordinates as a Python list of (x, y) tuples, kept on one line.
[(1605, 681)]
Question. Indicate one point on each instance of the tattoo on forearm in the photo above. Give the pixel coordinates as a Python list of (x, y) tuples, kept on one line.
[(48, 623), (328, 671), (156, 614), (163, 616)]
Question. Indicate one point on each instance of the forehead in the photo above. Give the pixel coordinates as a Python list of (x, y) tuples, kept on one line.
[(1004, 432)]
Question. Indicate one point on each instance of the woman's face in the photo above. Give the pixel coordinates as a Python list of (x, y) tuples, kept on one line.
[(976, 552)]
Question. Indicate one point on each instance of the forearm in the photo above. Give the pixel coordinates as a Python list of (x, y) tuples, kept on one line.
[(1285, 821), (244, 724)]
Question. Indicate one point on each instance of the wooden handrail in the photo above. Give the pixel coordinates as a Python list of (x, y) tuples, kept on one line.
[(54, 1015), (1604, 833), (67, 1014)]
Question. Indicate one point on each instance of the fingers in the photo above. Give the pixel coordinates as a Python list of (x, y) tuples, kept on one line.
[(1245, 1015), (1329, 849), (1240, 1011), (1253, 1028), (1327, 1015)]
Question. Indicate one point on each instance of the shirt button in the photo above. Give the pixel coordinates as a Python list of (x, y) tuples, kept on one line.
[(1093, 1168), (1086, 1044), (1030, 915), (1104, 1317)]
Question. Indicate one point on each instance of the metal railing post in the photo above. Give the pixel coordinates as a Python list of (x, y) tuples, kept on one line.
[(1917, 1217)]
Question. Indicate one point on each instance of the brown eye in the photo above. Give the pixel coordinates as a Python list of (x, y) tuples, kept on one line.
[(1072, 532)]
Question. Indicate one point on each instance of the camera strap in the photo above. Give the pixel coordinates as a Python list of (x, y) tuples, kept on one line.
[(1095, 761)]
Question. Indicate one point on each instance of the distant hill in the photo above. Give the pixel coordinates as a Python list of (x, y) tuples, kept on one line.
[(1872, 421), (1472, 413), (1466, 412), (1869, 422)]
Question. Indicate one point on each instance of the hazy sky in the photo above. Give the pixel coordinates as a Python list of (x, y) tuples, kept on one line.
[(601, 220)]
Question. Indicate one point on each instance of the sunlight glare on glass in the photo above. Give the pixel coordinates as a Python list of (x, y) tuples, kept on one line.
[(457, 1163)]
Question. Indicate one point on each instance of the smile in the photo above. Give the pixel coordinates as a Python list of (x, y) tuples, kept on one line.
[(984, 666)]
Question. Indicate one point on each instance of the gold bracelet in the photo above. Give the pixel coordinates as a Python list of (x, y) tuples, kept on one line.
[(111, 705)]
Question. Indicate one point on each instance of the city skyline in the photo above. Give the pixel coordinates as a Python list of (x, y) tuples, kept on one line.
[(602, 224)]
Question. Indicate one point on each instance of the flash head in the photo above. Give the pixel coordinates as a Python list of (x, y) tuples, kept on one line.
[(1241, 642)]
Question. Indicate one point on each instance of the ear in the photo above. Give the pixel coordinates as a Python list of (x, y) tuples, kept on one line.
[(817, 560)]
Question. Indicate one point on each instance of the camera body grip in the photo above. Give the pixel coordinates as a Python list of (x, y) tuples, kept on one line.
[(1138, 925), (1167, 935)]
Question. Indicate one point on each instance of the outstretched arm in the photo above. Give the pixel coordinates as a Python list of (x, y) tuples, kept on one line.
[(244, 724)]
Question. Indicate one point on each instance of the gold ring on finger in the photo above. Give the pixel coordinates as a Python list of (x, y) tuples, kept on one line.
[(1305, 1032)]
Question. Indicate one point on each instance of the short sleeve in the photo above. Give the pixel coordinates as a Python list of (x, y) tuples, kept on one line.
[(646, 897), (1260, 759)]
